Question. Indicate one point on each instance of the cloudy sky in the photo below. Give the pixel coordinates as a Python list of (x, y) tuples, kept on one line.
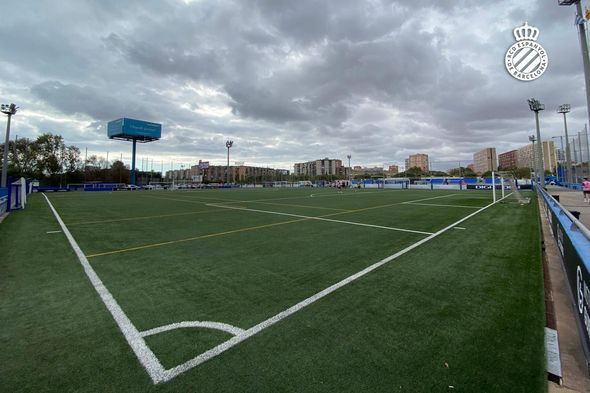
[(287, 81)]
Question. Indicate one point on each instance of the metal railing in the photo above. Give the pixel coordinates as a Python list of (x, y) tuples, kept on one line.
[(577, 223)]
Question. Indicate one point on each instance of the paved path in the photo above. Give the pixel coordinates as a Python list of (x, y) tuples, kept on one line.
[(572, 200)]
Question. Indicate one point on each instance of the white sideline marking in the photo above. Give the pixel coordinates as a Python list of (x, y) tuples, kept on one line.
[(144, 354), (53, 232), (460, 228), (435, 204), (173, 372), (320, 219), (194, 324), (328, 194)]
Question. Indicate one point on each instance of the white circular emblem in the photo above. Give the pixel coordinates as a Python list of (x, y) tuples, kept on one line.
[(526, 59)]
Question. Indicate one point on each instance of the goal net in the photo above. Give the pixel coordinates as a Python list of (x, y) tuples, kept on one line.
[(510, 190)]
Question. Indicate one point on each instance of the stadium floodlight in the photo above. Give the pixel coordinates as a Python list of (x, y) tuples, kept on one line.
[(536, 107), (580, 22), (565, 108), (228, 144), (9, 110)]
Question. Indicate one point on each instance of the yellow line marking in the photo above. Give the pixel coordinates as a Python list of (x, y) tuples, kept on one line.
[(224, 233), (193, 238), (237, 230), (143, 217)]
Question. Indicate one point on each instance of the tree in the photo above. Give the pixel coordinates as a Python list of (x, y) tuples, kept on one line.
[(119, 172), (51, 154), (46, 158), (71, 159), (462, 172), (23, 158), (412, 172)]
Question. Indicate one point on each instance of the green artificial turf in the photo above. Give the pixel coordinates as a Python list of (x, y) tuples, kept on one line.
[(462, 312)]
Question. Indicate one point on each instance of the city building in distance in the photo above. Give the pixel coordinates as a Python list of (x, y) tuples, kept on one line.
[(508, 159), (485, 160), (322, 167), (526, 154), (203, 172), (393, 170), (417, 160), (367, 171)]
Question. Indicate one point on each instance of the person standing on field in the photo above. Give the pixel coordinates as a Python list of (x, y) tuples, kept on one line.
[(586, 190)]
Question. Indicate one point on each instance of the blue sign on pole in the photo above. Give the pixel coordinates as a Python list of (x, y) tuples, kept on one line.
[(135, 131), (132, 129)]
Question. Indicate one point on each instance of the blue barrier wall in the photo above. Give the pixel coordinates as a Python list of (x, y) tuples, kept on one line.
[(573, 243), (3, 200)]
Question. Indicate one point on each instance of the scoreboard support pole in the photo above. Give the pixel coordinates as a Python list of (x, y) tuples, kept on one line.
[(133, 162)]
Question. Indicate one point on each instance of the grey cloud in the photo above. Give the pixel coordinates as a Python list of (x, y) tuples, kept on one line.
[(73, 99), (293, 80)]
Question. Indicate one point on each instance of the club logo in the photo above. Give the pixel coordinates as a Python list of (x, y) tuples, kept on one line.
[(526, 60)]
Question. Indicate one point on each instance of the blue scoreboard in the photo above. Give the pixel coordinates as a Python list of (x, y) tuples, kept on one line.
[(132, 129)]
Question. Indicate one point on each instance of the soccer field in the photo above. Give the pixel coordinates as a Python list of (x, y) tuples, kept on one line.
[(272, 290)]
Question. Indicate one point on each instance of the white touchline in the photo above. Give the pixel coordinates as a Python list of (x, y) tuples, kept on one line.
[(173, 372), (354, 192), (435, 204), (318, 218), (144, 354), (460, 228)]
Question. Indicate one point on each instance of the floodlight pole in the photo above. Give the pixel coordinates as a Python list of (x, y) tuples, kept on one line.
[(575, 174), (8, 110), (350, 169), (228, 144), (565, 108), (581, 154), (534, 163), (536, 106), (584, 48), (561, 144)]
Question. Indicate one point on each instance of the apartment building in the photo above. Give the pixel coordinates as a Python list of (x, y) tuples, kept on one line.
[(219, 173), (418, 160), (526, 155), (322, 167), (393, 170), (367, 171), (485, 160), (508, 159)]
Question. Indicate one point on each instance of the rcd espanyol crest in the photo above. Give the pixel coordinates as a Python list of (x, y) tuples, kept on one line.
[(526, 60)]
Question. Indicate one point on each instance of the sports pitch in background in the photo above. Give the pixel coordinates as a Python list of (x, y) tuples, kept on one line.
[(272, 290)]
